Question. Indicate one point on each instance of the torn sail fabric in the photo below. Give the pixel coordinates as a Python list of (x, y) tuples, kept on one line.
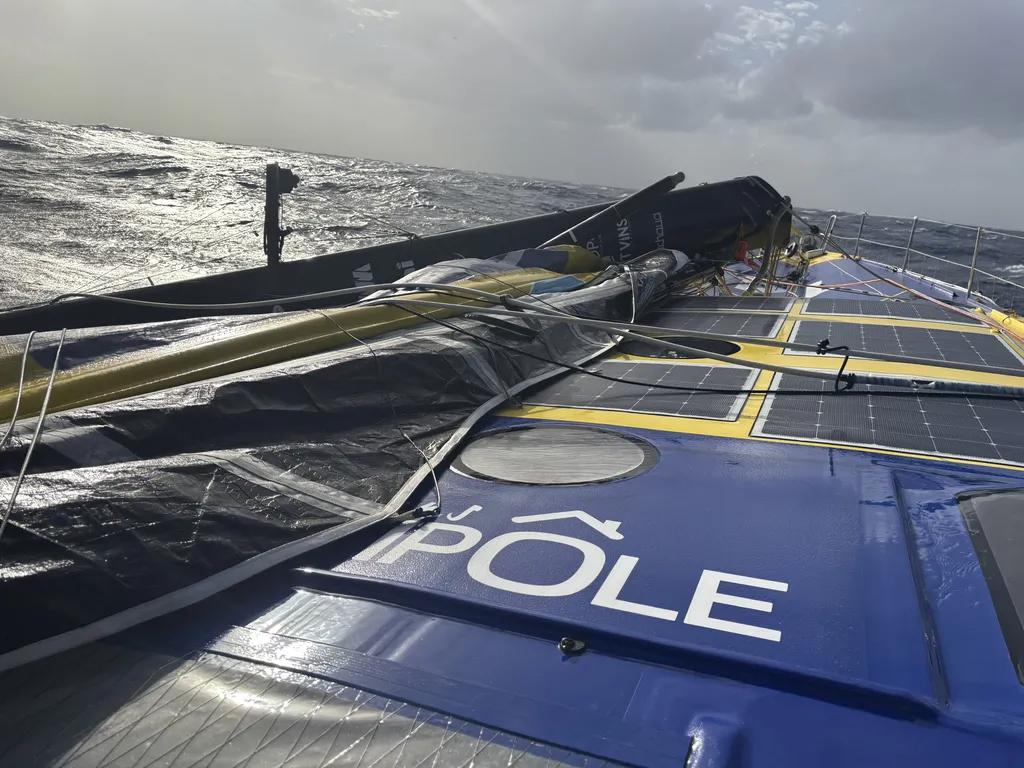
[(138, 506)]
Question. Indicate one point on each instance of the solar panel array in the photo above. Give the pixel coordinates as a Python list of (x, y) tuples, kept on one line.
[(582, 391), (958, 425), (724, 303), (951, 346), (911, 310), (727, 323)]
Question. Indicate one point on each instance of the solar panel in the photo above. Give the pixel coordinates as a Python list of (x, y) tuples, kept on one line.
[(911, 310), (729, 323), (582, 391), (951, 346), (725, 303), (956, 426)]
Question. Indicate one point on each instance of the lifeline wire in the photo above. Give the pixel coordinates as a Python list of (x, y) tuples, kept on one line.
[(391, 402), (21, 388), (692, 351), (506, 284), (675, 388), (493, 298), (35, 435)]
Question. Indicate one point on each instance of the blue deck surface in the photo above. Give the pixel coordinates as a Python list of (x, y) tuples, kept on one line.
[(741, 603), (865, 633), (738, 602)]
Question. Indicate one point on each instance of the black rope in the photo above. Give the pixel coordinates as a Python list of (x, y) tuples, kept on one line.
[(848, 381), (691, 390)]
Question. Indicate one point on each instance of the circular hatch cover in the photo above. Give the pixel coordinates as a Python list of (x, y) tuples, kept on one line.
[(556, 455)]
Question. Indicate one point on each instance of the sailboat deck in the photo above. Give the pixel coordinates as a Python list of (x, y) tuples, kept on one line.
[(788, 408)]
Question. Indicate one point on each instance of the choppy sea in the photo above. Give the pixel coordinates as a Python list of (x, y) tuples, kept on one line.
[(99, 208)]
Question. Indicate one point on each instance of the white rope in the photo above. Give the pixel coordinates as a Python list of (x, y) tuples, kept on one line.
[(35, 435), (620, 329), (21, 388)]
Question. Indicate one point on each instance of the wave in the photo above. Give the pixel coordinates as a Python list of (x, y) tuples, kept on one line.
[(104, 127), (138, 198), (13, 145), (131, 173), (345, 227)]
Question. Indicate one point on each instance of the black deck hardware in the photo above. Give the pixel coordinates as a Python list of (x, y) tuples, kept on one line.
[(279, 181)]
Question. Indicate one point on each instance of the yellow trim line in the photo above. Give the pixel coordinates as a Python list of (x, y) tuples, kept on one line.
[(266, 341)]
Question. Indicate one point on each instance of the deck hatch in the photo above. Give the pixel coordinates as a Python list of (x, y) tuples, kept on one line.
[(908, 310), (960, 426), (995, 522), (555, 454), (951, 346), (582, 391)]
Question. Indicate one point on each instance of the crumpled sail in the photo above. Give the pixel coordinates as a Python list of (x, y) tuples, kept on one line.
[(181, 457)]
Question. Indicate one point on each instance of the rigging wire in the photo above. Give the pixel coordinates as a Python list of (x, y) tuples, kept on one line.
[(92, 284), (401, 230), (386, 390), (652, 334), (21, 389), (507, 284), (944, 304), (471, 294), (677, 388), (282, 300), (849, 378), (35, 435)]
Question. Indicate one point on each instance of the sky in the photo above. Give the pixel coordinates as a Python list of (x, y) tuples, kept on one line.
[(894, 106)]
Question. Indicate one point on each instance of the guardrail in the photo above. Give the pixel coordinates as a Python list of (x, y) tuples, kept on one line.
[(908, 248)]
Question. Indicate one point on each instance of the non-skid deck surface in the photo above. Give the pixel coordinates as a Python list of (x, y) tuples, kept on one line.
[(215, 710), (582, 391)]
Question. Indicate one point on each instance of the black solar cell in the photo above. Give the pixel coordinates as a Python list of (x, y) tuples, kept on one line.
[(912, 310), (724, 303), (971, 427), (729, 323), (950, 346), (582, 391)]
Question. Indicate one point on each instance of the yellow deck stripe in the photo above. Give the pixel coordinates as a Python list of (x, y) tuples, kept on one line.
[(276, 339), (900, 322), (825, 257), (742, 427), (710, 428)]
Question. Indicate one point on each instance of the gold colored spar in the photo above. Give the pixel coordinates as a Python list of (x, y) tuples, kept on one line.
[(276, 339)]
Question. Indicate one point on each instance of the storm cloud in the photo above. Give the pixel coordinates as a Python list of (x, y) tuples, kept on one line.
[(903, 107)]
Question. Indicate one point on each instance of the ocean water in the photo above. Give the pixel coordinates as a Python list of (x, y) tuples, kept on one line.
[(99, 208)]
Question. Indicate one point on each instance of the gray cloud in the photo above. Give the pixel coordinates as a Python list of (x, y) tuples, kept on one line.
[(913, 65), (825, 100)]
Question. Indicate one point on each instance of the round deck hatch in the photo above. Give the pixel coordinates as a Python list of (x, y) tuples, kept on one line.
[(556, 455)]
